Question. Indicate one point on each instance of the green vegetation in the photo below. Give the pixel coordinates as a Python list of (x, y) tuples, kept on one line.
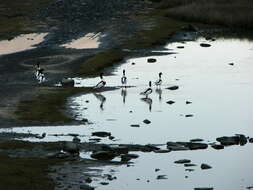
[(18, 16), (48, 106), (101, 61), (25, 173), (230, 13)]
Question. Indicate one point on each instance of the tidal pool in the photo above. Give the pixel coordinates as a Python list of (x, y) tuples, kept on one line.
[(21, 43), (217, 80)]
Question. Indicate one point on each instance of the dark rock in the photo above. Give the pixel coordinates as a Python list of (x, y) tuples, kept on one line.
[(88, 180), (104, 183), (173, 88), (71, 147), (188, 102), (249, 187), (76, 140), (161, 177), (67, 82), (217, 146), (189, 165), (205, 45), (133, 63), (251, 140), (203, 188), (189, 170), (176, 146), (205, 167), (194, 146), (196, 140), (128, 157), (111, 137), (157, 170), (103, 155), (101, 134), (183, 161), (151, 148), (233, 140), (189, 115), (161, 151), (151, 60), (146, 121), (86, 187), (180, 47), (170, 102), (135, 125), (232, 64)]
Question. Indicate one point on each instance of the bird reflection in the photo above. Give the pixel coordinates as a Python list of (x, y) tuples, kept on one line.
[(159, 92), (124, 94), (148, 101), (101, 98)]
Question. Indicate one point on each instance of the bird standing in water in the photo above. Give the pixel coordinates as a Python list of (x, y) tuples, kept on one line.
[(102, 83), (147, 91), (159, 81), (124, 79)]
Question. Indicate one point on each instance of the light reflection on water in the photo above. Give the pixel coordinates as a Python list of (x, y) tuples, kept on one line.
[(220, 96), (21, 43)]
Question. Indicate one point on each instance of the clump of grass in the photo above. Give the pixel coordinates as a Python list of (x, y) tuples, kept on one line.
[(25, 173), (229, 13), (100, 61), (48, 106)]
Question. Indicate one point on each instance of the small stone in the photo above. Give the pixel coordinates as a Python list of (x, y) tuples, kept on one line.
[(111, 137), (188, 102), (183, 161), (151, 60), (101, 134), (205, 167), (205, 45), (189, 115), (135, 125), (189, 165), (86, 187), (232, 64), (170, 102), (133, 63), (217, 146), (88, 180), (87, 101), (196, 140), (159, 177), (138, 179), (146, 121), (180, 47), (173, 88), (157, 170), (251, 140), (104, 183)]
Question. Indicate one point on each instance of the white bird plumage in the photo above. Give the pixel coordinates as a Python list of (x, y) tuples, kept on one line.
[(159, 81), (102, 83), (124, 79), (147, 91)]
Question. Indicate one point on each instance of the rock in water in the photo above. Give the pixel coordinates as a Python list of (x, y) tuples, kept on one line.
[(170, 102), (103, 155), (205, 45), (205, 167), (183, 161), (71, 147), (159, 177), (86, 187), (151, 60), (217, 146), (67, 82), (101, 134), (146, 121), (173, 87)]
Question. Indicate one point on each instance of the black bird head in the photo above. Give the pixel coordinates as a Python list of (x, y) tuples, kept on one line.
[(160, 74)]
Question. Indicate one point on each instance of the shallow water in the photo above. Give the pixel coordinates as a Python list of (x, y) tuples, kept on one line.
[(220, 94), (21, 43), (90, 40)]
